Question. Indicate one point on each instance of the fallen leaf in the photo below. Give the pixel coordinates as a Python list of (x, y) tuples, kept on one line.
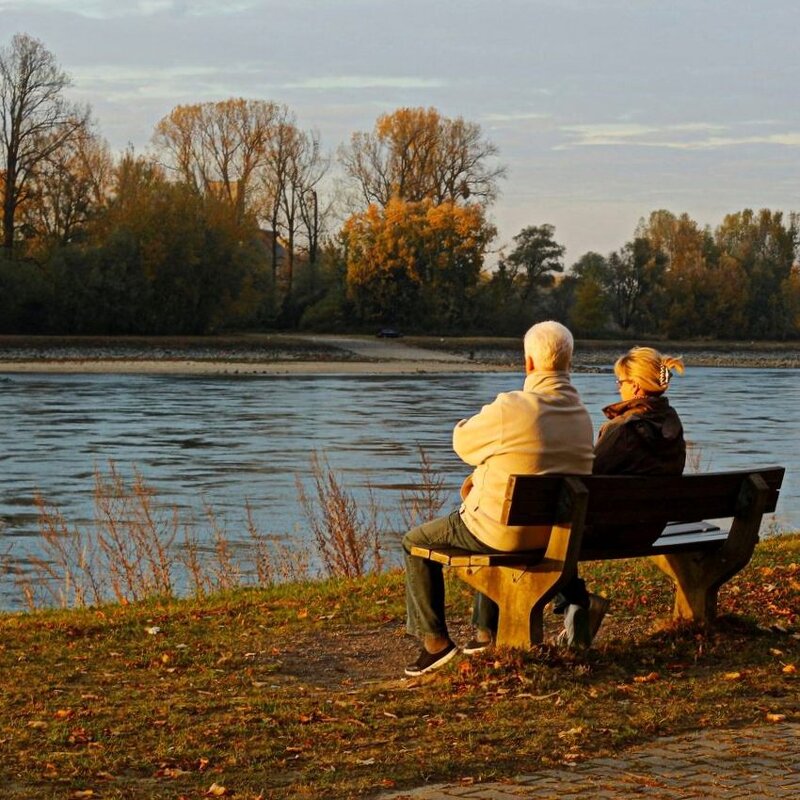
[(78, 794), (775, 717), (79, 736), (153, 630), (732, 676), (365, 762), (215, 790), (789, 669), (171, 772), (651, 677), (37, 725), (465, 669)]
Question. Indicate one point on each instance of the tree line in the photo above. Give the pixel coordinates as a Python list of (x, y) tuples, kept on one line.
[(237, 218)]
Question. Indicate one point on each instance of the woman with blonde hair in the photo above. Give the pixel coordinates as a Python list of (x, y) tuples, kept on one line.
[(644, 436)]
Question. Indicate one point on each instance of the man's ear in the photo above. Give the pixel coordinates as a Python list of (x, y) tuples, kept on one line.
[(529, 367)]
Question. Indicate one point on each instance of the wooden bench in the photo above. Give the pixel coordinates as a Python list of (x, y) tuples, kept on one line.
[(600, 517)]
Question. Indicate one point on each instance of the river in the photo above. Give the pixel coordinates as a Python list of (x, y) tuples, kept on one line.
[(228, 440)]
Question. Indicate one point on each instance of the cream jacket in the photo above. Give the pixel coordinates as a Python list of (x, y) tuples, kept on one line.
[(544, 428)]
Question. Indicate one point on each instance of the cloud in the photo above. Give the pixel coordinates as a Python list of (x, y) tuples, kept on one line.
[(119, 83), (114, 9), (682, 136), (364, 82), (515, 117)]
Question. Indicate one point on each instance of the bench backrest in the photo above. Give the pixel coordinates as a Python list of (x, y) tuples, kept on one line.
[(623, 510)]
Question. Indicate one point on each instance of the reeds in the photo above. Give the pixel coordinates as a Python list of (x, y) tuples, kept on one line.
[(136, 547), (347, 538), (424, 501)]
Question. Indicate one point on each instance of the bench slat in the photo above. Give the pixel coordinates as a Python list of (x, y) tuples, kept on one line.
[(634, 500), (677, 537)]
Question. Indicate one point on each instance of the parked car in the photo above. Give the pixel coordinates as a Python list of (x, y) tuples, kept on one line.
[(388, 333)]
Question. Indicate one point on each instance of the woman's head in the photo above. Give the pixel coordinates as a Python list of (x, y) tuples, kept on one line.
[(646, 371)]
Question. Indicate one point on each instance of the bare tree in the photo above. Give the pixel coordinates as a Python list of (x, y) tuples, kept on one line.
[(218, 148), (416, 154), (67, 190), (35, 119)]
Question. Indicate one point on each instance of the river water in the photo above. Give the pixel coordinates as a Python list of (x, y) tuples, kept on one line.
[(228, 440)]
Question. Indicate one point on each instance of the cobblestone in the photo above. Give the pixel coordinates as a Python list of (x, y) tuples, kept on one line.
[(758, 763)]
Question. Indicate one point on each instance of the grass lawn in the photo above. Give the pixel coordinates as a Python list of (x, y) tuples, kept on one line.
[(297, 691)]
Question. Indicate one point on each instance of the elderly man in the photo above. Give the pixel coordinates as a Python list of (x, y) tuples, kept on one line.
[(542, 429)]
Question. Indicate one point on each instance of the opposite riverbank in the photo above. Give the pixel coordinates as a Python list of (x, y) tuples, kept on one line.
[(281, 354), (296, 691)]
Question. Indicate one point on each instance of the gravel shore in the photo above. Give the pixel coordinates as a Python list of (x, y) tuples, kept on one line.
[(321, 354)]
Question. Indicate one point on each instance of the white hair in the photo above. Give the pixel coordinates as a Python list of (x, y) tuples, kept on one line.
[(550, 345)]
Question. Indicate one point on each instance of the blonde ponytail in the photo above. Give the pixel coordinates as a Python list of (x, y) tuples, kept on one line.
[(648, 368)]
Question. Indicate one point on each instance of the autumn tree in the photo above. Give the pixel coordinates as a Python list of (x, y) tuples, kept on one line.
[(164, 260), (417, 154), (218, 148), (251, 156), (68, 190), (415, 262), (762, 246), (36, 120)]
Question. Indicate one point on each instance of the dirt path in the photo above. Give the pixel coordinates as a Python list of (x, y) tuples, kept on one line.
[(383, 349)]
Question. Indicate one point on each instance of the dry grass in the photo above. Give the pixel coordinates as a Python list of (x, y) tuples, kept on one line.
[(425, 500), (347, 537), (139, 548)]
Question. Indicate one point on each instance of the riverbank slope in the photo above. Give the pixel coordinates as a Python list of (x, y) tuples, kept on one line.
[(297, 691)]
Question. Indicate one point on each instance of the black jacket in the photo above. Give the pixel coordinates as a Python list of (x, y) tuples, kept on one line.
[(643, 437)]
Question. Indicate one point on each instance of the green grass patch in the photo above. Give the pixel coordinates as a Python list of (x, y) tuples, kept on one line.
[(297, 690)]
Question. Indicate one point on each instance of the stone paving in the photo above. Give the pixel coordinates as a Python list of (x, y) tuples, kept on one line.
[(756, 762)]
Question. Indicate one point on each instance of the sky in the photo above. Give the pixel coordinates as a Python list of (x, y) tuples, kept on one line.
[(602, 110)]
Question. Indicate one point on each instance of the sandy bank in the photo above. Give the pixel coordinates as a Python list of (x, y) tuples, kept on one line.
[(161, 367), (320, 354)]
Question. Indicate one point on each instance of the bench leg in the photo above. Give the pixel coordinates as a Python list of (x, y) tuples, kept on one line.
[(696, 585), (698, 576), (521, 597)]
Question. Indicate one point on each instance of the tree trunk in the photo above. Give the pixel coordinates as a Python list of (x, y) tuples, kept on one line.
[(9, 206)]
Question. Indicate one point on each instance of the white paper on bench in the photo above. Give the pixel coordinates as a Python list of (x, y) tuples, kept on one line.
[(680, 533)]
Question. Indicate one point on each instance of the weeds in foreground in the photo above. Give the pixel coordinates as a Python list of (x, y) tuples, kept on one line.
[(424, 501), (347, 538), (124, 556), (138, 548)]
